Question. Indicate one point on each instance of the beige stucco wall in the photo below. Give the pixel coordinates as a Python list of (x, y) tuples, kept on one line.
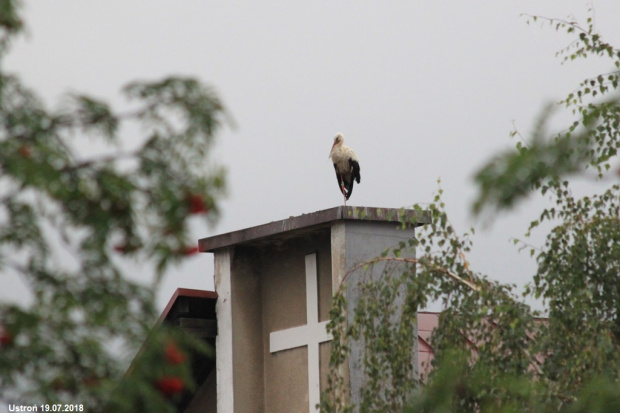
[(269, 294), (284, 298), (247, 330), (260, 281)]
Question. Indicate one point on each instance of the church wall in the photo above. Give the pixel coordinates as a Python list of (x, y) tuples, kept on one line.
[(247, 330), (363, 242), (260, 278), (284, 306), (223, 341), (325, 302)]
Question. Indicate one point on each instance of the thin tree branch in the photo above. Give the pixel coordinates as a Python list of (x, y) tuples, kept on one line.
[(449, 273)]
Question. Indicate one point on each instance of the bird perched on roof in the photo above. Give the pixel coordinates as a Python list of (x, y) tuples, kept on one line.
[(346, 165)]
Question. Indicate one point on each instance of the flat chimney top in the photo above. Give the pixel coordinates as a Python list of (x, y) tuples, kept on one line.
[(314, 220)]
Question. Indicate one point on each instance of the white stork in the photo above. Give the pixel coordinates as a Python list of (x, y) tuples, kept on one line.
[(346, 165)]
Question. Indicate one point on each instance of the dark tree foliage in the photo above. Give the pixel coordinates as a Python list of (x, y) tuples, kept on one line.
[(72, 216)]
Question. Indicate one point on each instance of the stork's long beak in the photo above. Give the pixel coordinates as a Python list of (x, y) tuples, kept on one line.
[(330, 151)]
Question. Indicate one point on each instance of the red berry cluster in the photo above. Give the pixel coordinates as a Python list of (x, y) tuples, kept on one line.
[(196, 204), (6, 338), (121, 248), (25, 151), (174, 355), (189, 250), (170, 385)]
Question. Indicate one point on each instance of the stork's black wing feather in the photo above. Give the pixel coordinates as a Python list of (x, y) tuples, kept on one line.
[(355, 170), (355, 177)]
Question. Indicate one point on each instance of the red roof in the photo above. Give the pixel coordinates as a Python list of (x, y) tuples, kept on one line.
[(427, 322), (185, 292)]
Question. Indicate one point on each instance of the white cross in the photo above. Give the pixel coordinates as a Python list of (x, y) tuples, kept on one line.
[(311, 335)]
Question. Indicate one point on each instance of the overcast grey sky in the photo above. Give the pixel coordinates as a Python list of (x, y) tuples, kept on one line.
[(421, 90)]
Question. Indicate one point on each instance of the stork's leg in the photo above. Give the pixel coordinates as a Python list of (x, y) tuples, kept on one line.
[(344, 193)]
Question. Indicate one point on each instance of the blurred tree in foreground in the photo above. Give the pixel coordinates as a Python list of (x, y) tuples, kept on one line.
[(491, 353), (70, 219)]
